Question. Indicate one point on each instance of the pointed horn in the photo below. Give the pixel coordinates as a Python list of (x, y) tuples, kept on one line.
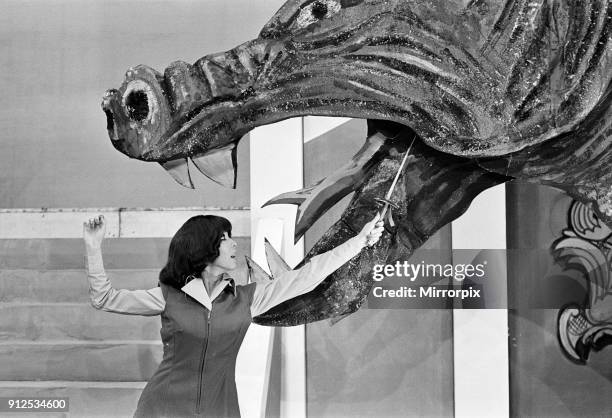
[(312, 202), (179, 170), (219, 165), (303, 198), (256, 273), (276, 263), (296, 197), (315, 200)]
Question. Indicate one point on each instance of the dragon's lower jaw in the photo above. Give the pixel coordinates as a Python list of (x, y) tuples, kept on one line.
[(434, 189)]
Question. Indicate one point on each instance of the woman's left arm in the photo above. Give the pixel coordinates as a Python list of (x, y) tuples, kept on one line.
[(297, 282)]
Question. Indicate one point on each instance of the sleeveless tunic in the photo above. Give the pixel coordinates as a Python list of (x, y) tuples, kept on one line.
[(196, 377)]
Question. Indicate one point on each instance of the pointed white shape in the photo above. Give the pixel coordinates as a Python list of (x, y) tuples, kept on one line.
[(275, 262), (219, 165), (179, 170), (256, 273)]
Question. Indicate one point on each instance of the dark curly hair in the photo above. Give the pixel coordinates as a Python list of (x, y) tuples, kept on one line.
[(192, 248)]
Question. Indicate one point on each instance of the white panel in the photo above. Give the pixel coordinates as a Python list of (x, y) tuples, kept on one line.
[(135, 223), (293, 372), (484, 223), (255, 356), (480, 336), (315, 126), (129, 223), (277, 167)]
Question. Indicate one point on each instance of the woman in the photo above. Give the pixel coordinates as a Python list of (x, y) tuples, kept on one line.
[(204, 314)]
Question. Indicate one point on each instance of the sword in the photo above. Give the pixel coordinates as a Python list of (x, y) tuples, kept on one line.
[(386, 201)]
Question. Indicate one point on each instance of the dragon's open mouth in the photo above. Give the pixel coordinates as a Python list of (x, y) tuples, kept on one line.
[(513, 89)]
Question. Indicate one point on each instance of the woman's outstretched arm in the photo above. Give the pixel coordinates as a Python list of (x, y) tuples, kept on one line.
[(297, 282), (101, 293)]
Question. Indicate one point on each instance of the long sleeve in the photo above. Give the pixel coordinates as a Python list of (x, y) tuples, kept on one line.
[(297, 282), (132, 302)]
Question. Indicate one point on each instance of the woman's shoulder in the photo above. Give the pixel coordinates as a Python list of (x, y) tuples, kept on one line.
[(166, 289)]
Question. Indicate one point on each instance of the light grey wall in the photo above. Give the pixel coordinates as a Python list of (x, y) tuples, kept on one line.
[(58, 58)]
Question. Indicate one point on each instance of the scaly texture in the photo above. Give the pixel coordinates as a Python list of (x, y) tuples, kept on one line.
[(491, 89)]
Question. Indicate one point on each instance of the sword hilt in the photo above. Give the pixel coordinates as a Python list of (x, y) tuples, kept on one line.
[(386, 203)]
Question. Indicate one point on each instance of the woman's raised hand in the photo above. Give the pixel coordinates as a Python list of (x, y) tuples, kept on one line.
[(372, 231), (93, 232)]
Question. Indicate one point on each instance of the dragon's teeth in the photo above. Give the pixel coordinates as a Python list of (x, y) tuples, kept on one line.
[(179, 170), (219, 165)]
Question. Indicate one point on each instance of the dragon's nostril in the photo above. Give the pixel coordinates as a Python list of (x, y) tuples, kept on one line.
[(110, 124), (137, 105)]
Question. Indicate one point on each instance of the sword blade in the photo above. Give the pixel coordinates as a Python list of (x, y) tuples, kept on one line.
[(383, 212), (399, 171)]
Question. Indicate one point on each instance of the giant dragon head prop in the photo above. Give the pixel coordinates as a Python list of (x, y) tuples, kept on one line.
[(491, 90)]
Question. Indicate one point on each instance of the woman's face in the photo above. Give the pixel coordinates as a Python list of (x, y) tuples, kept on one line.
[(227, 254)]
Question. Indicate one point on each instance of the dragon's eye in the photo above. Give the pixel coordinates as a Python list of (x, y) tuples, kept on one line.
[(317, 10)]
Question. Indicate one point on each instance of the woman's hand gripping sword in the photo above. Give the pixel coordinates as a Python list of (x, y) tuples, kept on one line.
[(386, 201)]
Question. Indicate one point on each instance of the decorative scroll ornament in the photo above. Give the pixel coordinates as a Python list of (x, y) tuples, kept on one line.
[(586, 246)]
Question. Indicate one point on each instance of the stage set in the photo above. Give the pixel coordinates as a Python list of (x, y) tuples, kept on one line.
[(479, 129)]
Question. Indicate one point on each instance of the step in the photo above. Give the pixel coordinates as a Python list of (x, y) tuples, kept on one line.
[(86, 399), (72, 321), (24, 285), (67, 253), (82, 360)]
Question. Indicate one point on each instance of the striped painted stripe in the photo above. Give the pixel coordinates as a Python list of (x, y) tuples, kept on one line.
[(57, 384), (120, 222)]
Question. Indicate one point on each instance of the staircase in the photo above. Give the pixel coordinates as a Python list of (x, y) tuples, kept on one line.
[(54, 344)]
